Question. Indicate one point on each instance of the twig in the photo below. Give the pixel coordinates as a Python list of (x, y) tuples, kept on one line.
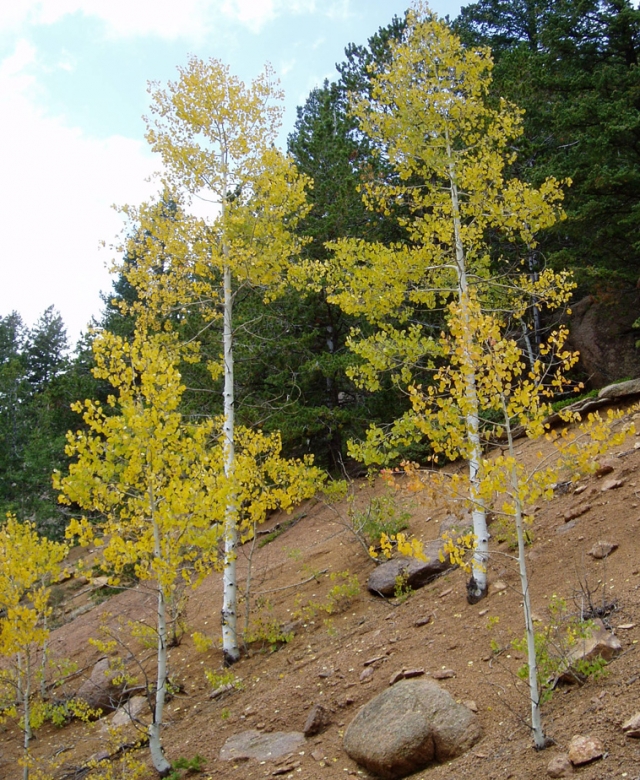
[(295, 584)]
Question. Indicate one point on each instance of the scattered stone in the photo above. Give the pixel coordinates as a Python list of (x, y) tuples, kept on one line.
[(602, 549), (409, 673), (382, 580), (372, 661), (325, 673), (367, 674), (405, 674), (408, 726), (318, 719), (583, 750), (471, 705), (482, 612), (317, 755), (605, 466), (580, 489), (577, 511), (626, 626), (560, 766), (99, 582), (423, 621), (286, 768), (498, 586), (263, 747), (631, 727), (611, 484), (600, 644), (443, 674), (444, 593)]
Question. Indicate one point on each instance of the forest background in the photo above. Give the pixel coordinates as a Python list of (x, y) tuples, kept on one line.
[(572, 65)]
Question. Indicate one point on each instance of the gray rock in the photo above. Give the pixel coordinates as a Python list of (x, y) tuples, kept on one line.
[(262, 747), (407, 727), (621, 390), (602, 549), (383, 578), (99, 691)]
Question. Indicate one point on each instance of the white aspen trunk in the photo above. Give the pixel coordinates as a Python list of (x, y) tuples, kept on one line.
[(230, 649), (160, 763), (24, 673), (539, 738), (477, 585)]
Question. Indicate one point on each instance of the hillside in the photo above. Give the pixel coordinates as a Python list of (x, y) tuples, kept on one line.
[(433, 629)]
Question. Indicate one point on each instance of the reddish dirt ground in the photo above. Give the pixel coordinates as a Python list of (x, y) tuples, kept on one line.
[(324, 660)]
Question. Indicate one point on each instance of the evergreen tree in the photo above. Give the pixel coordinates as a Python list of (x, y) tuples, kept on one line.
[(573, 66)]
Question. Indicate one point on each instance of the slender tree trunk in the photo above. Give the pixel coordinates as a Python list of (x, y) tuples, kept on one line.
[(477, 585), (230, 647), (160, 763), (24, 673), (534, 690)]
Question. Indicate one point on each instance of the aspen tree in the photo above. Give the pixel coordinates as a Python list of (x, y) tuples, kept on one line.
[(28, 563), (216, 138), (518, 394), (429, 117), (151, 478), (158, 482)]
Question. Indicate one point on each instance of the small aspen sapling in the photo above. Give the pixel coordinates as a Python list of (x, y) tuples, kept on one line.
[(450, 148), (152, 479), (517, 394), (28, 564)]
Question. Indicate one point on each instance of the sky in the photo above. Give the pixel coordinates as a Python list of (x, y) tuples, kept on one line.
[(73, 91)]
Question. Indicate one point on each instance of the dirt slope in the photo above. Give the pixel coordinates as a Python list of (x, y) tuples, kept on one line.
[(325, 658)]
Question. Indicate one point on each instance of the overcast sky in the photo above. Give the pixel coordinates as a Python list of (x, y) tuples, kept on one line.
[(73, 81)]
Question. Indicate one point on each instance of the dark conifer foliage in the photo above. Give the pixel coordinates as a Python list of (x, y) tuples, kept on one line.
[(573, 66)]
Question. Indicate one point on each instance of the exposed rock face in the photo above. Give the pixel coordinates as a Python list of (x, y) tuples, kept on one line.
[(601, 331), (99, 691), (407, 727), (263, 747), (383, 578)]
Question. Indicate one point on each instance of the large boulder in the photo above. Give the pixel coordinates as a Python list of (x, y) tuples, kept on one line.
[(407, 727), (418, 573)]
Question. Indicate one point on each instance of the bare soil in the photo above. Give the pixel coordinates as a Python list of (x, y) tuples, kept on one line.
[(323, 661)]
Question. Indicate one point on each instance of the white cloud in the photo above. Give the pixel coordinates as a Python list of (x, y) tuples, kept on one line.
[(57, 189), (191, 19)]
